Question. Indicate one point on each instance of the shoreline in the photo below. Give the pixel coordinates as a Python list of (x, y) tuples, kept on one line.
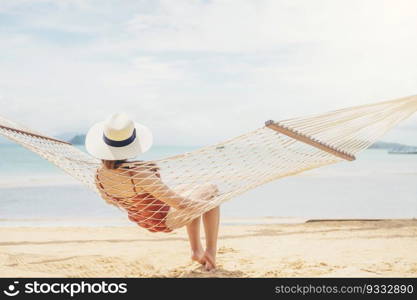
[(384, 248), (66, 222)]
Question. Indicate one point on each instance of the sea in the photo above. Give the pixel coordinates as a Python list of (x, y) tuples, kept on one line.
[(34, 192)]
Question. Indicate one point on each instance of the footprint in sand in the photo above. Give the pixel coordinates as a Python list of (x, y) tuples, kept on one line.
[(299, 267), (413, 269), (12, 260), (224, 250), (297, 264), (245, 261)]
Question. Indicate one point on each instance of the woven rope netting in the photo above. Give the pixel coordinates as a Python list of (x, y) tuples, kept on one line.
[(166, 194)]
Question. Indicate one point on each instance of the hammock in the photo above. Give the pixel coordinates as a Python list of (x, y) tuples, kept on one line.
[(214, 174)]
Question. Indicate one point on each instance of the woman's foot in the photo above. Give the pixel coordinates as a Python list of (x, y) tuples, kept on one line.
[(198, 256), (209, 259)]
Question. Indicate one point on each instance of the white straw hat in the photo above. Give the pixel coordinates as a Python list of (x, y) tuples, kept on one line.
[(118, 138)]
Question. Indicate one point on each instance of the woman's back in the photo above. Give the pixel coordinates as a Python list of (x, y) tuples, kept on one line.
[(121, 186), (125, 180), (116, 182)]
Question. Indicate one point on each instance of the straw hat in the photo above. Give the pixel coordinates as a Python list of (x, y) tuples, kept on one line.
[(118, 138)]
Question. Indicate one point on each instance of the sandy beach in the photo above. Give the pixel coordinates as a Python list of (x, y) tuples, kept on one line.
[(314, 249)]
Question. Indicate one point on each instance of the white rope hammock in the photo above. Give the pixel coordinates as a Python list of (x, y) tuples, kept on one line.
[(212, 175)]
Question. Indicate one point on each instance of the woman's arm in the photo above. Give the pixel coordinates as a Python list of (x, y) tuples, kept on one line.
[(152, 184)]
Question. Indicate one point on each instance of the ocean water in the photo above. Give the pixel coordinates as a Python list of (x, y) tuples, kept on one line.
[(377, 185)]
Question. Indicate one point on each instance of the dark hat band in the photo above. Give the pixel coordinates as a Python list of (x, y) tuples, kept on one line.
[(122, 143)]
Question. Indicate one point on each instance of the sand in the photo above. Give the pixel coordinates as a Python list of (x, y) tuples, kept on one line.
[(318, 249)]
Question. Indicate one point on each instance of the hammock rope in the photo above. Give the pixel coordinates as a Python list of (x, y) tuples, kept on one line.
[(209, 176)]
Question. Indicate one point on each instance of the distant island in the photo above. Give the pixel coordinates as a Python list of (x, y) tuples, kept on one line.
[(78, 139), (387, 145), (395, 148)]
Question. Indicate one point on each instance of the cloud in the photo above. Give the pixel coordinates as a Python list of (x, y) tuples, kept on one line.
[(145, 71), (197, 72)]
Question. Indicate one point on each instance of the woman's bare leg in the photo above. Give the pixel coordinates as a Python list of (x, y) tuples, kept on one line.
[(211, 227), (193, 230)]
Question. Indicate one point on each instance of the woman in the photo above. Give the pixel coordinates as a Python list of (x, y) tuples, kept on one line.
[(137, 187)]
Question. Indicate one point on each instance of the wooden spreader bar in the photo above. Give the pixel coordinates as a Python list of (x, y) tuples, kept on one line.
[(308, 140), (34, 134)]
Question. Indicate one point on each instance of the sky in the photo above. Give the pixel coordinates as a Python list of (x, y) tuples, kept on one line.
[(198, 72)]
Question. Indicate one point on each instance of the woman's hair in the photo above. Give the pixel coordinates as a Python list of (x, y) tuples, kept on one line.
[(112, 164)]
